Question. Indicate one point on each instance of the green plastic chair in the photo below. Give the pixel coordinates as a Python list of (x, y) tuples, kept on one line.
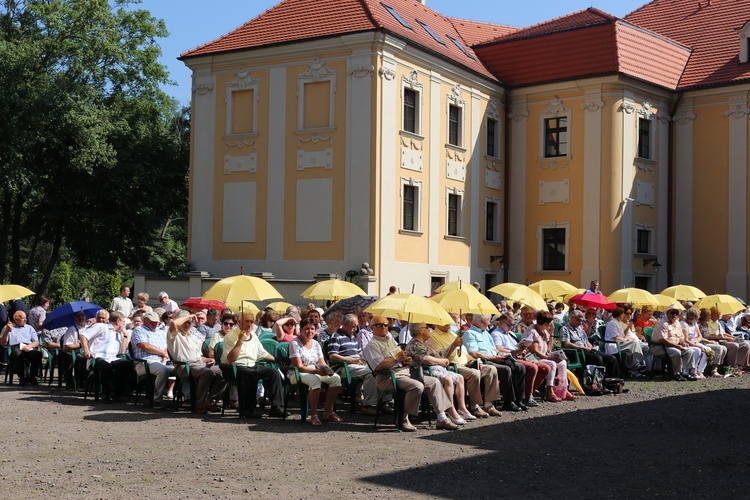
[(281, 354)]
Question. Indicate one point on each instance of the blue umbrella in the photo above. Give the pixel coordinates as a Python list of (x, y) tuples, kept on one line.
[(63, 315)]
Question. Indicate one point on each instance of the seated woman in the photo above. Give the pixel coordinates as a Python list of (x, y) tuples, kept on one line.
[(307, 356), (645, 321), (228, 322), (539, 341), (696, 332), (286, 329), (620, 330), (453, 383), (267, 321)]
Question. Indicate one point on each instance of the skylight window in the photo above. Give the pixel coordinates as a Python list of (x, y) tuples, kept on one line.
[(461, 47), (397, 16), (432, 33)]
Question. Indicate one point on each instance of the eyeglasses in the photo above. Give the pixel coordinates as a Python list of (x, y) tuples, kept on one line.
[(228, 323), (290, 325), (380, 325), (673, 313)]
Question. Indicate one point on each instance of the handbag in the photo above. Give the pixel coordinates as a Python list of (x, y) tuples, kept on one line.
[(557, 356)]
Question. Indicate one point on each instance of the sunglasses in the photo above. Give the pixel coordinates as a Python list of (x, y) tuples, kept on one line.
[(380, 325), (290, 325), (228, 323)]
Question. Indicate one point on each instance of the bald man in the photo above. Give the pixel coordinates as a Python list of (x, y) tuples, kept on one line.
[(23, 340)]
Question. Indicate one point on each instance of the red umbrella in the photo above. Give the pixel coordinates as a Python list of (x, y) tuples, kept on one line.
[(195, 303), (595, 300)]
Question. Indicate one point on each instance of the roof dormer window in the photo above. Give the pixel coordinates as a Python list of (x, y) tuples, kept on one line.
[(744, 34), (397, 16)]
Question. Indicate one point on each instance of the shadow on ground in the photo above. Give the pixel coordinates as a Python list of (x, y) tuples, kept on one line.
[(688, 446)]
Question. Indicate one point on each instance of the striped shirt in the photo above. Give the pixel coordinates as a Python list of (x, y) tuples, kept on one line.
[(157, 339), (343, 345)]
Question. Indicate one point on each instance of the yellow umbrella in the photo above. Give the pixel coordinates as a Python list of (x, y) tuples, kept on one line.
[(520, 293), (248, 306), (410, 307), (235, 289), (726, 304), (10, 292), (665, 302), (465, 301), (635, 296), (280, 306), (455, 285), (552, 289), (332, 290), (574, 380), (681, 293)]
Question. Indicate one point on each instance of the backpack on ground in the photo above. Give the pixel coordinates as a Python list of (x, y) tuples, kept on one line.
[(593, 380)]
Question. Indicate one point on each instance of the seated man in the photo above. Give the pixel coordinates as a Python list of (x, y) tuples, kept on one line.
[(23, 340), (384, 355), (506, 343), (184, 344), (343, 348), (150, 345), (243, 349), (71, 350), (573, 336), (511, 375), (738, 350), (106, 343), (668, 337), (450, 345)]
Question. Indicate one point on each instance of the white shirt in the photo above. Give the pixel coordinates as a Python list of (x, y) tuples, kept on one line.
[(103, 341)]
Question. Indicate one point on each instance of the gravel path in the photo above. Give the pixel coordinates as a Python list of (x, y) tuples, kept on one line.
[(662, 439)]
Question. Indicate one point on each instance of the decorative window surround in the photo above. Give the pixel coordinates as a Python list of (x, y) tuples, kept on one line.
[(649, 229), (242, 80), (540, 246), (646, 112), (744, 39), (555, 109), (317, 71), (492, 219), (417, 184), (493, 113), (459, 194), (412, 83), (456, 100)]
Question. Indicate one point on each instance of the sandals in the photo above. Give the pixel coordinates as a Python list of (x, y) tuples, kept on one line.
[(332, 417), (315, 420)]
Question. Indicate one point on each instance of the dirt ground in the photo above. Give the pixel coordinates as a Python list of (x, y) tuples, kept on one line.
[(662, 439)]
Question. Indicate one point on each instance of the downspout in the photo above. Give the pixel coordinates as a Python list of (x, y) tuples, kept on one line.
[(506, 198), (672, 171)]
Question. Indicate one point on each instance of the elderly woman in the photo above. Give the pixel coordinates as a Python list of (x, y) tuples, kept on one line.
[(539, 342), (184, 345), (423, 354), (645, 321), (620, 329), (285, 329), (709, 351), (142, 299), (306, 355)]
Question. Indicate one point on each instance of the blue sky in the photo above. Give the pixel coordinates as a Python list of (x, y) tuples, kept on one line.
[(193, 22)]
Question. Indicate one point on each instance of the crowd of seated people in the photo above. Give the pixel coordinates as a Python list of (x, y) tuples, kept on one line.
[(475, 367)]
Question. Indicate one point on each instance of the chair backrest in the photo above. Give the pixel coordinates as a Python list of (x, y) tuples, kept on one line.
[(648, 331), (269, 345), (204, 347), (218, 350), (266, 334), (282, 353)]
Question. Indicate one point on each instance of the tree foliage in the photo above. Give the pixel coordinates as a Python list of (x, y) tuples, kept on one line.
[(94, 155)]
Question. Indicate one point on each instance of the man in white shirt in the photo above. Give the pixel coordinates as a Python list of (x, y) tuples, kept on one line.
[(167, 304), (105, 343), (122, 303)]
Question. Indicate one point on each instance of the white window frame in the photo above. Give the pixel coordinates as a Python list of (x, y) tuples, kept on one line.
[(651, 230), (496, 222), (455, 99), (317, 72), (645, 112), (540, 246), (417, 204), (493, 113), (459, 212), (412, 83), (243, 80), (555, 109)]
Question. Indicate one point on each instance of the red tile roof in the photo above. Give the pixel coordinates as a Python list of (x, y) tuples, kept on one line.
[(708, 28), (580, 45), (294, 20), (476, 32)]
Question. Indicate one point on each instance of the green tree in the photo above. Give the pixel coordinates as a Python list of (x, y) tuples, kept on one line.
[(62, 289), (93, 162)]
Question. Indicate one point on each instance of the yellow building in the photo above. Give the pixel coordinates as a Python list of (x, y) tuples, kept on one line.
[(330, 133)]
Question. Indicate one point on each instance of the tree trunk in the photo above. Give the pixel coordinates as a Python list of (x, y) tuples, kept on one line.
[(4, 233), (42, 286), (15, 263)]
